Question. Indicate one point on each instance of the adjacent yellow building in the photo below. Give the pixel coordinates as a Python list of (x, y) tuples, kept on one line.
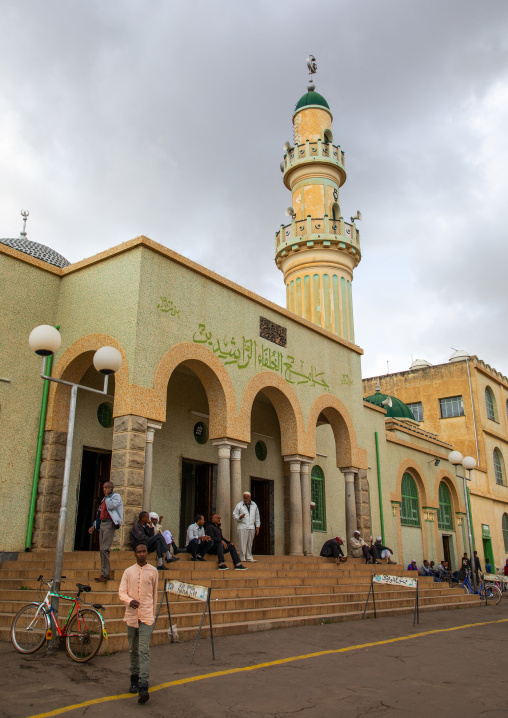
[(465, 402)]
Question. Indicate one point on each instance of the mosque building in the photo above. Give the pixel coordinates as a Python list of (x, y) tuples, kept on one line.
[(220, 390)]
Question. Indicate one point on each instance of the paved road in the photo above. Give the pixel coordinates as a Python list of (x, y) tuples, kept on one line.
[(446, 673)]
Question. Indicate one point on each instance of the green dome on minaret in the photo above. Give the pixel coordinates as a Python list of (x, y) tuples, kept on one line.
[(394, 407), (311, 98)]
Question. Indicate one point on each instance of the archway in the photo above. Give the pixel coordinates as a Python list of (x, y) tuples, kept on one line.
[(91, 448)]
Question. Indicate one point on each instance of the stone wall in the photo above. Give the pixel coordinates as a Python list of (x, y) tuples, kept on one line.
[(362, 504)]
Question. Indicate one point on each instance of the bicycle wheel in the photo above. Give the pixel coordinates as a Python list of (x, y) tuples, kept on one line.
[(493, 594), (28, 629), (84, 635)]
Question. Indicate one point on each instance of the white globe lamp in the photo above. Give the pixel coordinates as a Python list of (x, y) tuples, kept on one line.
[(468, 463), (45, 340), (107, 360), (455, 458)]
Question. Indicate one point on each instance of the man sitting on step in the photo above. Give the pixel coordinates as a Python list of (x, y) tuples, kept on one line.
[(359, 547), (141, 532), (222, 545), (197, 543), (383, 551), (332, 547)]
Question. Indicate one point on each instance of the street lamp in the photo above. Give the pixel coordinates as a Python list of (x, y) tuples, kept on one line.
[(456, 458), (45, 340)]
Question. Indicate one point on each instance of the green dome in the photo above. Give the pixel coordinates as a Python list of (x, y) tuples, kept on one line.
[(311, 98), (397, 410)]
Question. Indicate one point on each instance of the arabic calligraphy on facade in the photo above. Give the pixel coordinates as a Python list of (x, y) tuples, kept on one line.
[(167, 307), (249, 352)]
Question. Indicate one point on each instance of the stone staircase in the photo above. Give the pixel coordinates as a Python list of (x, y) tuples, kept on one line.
[(276, 592)]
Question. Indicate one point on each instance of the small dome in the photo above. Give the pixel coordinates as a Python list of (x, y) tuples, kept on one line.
[(417, 363), (459, 355), (394, 407), (311, 98), (34, 249)]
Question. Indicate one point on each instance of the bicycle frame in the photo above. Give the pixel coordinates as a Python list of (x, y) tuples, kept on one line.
[(47, 608)]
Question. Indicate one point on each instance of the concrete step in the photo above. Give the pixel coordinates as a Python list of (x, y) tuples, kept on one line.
[(276, 592), (187, 618), (118, 641), (113, 609)]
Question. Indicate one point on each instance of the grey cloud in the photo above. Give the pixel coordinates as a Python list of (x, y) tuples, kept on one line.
[(168, 119)]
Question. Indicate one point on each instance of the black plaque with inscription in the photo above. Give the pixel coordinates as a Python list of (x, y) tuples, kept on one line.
[(273, 332)]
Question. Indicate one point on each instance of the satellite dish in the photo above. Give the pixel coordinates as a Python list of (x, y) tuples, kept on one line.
[(291, 212), (287, 146), (358, 216)]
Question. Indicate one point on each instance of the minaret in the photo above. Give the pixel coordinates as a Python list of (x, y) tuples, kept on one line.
[(317, 251)]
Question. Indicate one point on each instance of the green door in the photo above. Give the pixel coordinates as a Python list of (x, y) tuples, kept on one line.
[(488, 553)]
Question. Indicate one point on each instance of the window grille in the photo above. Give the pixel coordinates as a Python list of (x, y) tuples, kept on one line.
[(317, 491), (444, 514), (410, 508)]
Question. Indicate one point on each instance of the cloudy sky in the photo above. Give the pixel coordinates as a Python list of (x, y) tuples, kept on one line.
[(168, 119)]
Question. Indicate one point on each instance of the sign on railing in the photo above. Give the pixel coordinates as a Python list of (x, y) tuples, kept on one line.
[(396, 580), (403, 581), (187, 590)]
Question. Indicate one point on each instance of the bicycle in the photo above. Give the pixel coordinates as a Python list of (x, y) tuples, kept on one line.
[(488, 591), (83, 630)]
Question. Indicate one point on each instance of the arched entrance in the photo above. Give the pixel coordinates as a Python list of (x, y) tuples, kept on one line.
[(91, 454)]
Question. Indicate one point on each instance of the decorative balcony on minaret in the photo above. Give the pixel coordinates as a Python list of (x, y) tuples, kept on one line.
[(317, 252)]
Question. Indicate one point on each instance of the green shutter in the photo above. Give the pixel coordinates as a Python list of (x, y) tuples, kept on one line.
[(317, 491), (444, 514), (410, 507)]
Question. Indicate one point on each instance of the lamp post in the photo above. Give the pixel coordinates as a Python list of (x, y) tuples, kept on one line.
[(45, 340), (456, 458)]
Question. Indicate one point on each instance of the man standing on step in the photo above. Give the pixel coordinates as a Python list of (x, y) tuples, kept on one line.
[(138, 590), (109, 518), (246, 514)]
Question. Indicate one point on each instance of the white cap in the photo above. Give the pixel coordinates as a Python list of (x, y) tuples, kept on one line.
[(153, 515), (379, 538)]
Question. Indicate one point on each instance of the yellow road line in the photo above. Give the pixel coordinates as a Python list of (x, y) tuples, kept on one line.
[(269, 664)]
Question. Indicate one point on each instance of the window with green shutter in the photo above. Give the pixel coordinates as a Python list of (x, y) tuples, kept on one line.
[(410, 507), (505, 531), (317, 489), (498, 466), (444, 515)]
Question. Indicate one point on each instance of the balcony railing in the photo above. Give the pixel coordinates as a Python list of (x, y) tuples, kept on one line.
[(311, 151), (304, 233)]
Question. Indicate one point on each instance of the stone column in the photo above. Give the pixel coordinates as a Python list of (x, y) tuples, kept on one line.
[(236, 490), (295, 509), (306, 499), (224, 486), (49, 489), (147, 478), (362, 503), (128, 468), (349, 478)]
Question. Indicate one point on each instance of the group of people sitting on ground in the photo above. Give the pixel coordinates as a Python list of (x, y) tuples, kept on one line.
[(200, 541), (358, 547)]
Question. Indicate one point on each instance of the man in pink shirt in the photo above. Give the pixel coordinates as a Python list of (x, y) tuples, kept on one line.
[(138, 590)]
